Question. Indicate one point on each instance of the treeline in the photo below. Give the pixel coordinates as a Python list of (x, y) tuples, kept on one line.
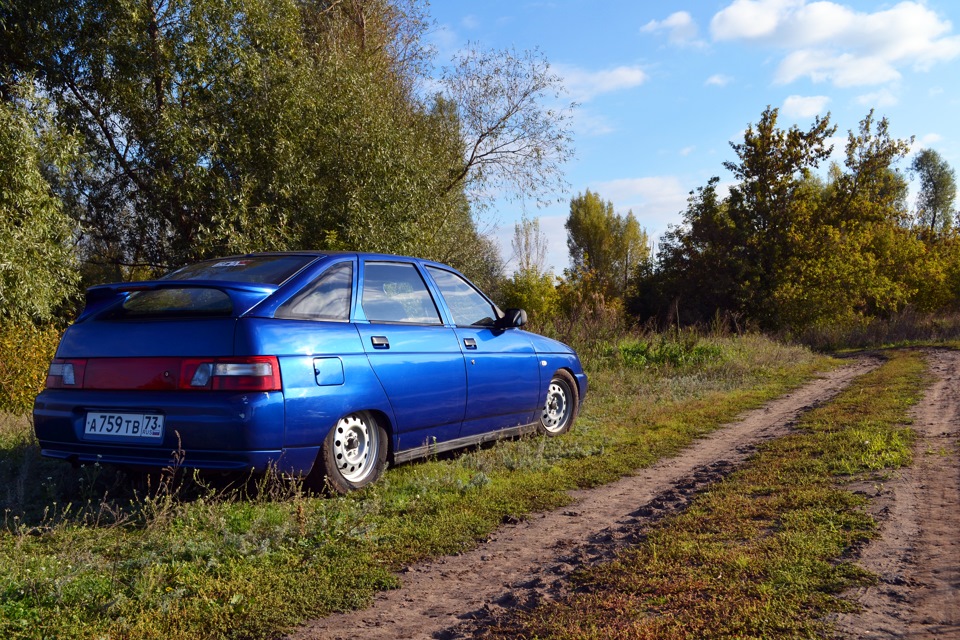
[(787, 249), (136, 137)]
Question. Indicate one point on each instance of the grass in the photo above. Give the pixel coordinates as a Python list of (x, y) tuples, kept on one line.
[(764, 553), (92, 553)]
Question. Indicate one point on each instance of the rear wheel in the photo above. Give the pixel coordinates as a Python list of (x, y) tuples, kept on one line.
[(560, 409), (353, 455)]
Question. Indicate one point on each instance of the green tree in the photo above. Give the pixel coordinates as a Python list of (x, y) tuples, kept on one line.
[(694, 275), (211, 126), (531, 287), (867, 203), (789, 250), (765, 206), (604, 242), (37, 263), (938, 191), (730, 256)]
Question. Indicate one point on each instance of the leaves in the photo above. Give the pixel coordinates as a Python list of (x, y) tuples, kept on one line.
[(611, 245), (788, 250), (37, 269)]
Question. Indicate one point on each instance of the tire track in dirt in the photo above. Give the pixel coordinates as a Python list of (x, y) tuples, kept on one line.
[(522, 563), (917, 554)]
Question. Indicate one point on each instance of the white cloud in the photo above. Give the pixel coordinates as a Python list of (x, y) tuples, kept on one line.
[(718, 80), (877, 99), (680, 27), (805, 106), (656, 201), (830, 42), (591, 124), (585, 85), (445, 39), (687, 151), (749, 19), (470, 22), (843, 70)]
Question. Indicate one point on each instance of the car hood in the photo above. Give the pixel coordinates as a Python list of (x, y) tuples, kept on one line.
[(542, 344)]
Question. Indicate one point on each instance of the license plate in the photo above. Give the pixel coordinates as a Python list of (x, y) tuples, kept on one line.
[(124, 425)]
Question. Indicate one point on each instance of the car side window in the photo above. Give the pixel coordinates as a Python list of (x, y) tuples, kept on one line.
[(326, 298), (395, 292), (468, 306)]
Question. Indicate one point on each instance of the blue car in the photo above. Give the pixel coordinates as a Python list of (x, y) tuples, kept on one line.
[(324, 365)]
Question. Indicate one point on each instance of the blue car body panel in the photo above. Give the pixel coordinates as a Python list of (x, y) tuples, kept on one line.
[(156, 338), (433, 386), (422, 371), (217, 430), (503, 379)]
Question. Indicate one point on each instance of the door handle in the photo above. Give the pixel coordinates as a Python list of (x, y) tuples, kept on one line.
[(380, 342), (470, 343)]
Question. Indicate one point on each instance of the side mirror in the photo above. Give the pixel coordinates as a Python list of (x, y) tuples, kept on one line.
[(512, 318)]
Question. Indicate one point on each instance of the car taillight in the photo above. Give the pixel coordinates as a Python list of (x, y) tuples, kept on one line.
[(66, 374), (254, 373)]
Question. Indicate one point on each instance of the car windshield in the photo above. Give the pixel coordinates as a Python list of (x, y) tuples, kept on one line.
[(254, 269)]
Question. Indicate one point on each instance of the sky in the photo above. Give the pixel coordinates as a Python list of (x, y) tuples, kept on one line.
[(664, 87)]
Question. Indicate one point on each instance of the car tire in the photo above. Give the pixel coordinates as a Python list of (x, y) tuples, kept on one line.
[(353, 455), (562, 404)]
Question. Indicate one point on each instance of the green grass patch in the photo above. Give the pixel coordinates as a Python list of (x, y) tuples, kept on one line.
[(761, 554), (90, 553)]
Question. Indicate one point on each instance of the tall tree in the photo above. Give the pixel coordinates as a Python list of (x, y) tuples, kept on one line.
[(531, 287), (513, 141), (606, 243), (763, 206), (938, 191), (37, 263), (213, 126), (789, 250), (694, 274), (529, 246)]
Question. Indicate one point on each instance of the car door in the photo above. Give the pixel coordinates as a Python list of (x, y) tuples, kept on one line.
[(325, 371), (503, 372), (416, 358)]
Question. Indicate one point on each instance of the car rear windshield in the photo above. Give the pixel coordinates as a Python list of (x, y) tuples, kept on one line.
[(254, 269), (175, 302)]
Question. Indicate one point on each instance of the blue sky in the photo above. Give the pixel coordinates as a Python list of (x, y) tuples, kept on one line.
[(664, 87)]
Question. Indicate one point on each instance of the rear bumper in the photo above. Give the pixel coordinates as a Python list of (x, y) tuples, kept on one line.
[(202, 430)]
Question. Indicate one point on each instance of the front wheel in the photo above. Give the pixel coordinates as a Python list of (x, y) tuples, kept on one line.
[(560, 409), (353, 455)]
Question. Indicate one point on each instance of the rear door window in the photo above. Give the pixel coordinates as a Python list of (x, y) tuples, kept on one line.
[(395, 292), (326, 298)]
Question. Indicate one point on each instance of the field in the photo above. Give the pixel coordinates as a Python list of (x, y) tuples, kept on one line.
[(94, 553)]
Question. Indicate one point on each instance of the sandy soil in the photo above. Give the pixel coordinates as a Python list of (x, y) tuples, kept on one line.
[(452, 597), (917, 554)]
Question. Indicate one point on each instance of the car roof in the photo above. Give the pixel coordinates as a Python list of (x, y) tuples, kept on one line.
[(365, 255)]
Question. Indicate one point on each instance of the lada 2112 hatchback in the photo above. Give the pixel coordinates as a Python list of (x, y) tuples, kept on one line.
[(325, 365)]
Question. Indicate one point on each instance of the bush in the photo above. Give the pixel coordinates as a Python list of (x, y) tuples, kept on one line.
[(25, 354)]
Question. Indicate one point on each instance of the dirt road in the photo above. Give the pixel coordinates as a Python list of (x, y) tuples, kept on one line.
[(917, 554), (453, 596)]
